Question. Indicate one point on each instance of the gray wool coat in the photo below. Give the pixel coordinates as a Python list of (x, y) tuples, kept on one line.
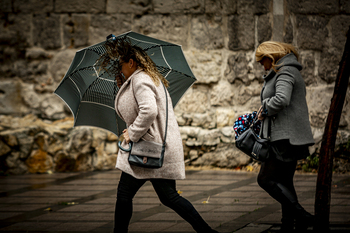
[(283, 95), (141, 104)]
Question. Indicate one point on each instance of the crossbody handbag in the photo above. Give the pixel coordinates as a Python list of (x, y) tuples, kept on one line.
[(253, 146), (145, 153)]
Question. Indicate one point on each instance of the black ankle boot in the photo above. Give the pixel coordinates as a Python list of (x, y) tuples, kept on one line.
[(303, 219), (287, 225)]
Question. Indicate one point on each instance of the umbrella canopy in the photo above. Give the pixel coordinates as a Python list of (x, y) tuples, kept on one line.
[(90, 94)]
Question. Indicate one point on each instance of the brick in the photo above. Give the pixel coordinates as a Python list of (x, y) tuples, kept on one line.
[(76, 30), (253, 6), (6, 6), (206, 33), (180, 6), (80, 6), (345, 6), (312, 32), (46, 31), (103, 25), (33, 6), (313, 7), (264, 28), (241, 32), (225, 7), (139, 7)]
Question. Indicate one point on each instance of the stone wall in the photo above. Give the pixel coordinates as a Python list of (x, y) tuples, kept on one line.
[(38, 40)]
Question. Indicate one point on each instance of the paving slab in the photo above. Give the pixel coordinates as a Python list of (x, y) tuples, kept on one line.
[(230, 201)]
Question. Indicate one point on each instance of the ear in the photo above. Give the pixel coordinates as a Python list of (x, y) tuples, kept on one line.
[(131, 63)]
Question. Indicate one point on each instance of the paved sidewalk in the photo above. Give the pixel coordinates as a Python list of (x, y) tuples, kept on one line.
[(84, 202)]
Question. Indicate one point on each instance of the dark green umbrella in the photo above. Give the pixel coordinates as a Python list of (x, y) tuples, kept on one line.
[(90, 95)]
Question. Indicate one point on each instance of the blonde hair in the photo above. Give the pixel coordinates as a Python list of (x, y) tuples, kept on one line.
[(121, 49), (275, 51)]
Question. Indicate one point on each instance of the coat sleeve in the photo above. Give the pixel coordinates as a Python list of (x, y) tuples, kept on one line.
[(145, 95), (283, 93)]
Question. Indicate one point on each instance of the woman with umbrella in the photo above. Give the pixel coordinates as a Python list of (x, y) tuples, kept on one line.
[(141, 103), (285, 120)]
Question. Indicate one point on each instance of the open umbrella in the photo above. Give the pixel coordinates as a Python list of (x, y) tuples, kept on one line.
[(90, 95)]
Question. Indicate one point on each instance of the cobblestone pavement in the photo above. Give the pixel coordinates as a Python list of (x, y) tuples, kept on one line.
[(229, 201)]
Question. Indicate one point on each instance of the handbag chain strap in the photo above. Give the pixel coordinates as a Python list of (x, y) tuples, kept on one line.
[(166, 120)]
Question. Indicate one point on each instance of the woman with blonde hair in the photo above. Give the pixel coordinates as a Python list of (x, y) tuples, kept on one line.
[(141, 103), (285, 121)]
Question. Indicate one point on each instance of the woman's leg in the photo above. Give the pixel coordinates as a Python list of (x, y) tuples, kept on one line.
[(276, 178), (127, 188), (166, 191)]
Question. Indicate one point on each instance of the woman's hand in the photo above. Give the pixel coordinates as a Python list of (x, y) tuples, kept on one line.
[(126, 136), (260, 116)]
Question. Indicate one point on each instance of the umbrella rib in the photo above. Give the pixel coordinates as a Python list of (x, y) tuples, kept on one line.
[(80, 61), (97, 103), (75, 86)]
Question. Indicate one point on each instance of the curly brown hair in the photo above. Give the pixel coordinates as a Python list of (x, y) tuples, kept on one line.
[(121, 50)]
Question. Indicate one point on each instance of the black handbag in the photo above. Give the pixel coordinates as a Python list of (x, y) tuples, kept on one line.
[(253, 146), (145, 153)]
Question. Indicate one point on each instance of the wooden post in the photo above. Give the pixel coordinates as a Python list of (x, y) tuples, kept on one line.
[(324, 178)]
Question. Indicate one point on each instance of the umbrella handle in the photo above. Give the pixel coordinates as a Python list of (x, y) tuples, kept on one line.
[(122, 148)]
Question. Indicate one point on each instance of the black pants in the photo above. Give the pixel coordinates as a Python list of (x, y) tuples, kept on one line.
[(276, 178), (166, 191)]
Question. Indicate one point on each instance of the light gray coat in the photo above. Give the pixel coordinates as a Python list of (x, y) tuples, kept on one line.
[(141, 104), (283, 95)]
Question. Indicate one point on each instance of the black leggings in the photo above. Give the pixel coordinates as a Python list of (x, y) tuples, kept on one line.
[(276, 178), (166, 191)]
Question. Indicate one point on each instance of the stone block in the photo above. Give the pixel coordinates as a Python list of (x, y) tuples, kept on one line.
[(14, 31), (205, 65), (288, 30), (264, 28), (80, 6), (339, 26), (224, 7), (60, 63), (171, 28), (226, 155), (312, 31), (221, 94), (225, 117), (205, 120), (46, 31), (103, 25), (195, 100), (180, 6), (138, 7), (318, 100), (32, 6), (253, 7), (329, 72), (308, 61), (241, 32), (313, 7), (206, 32), (52, 107), (11, 97), (242, 94), (76, 30), (345, 6), (243, 67), (6, 6), (4, 149)]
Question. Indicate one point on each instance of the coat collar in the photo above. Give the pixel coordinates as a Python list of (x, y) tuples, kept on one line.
[(123, 87), (269, 75)]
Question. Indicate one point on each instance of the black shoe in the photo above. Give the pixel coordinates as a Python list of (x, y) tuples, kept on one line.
[(287, 225), (303, 219)]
